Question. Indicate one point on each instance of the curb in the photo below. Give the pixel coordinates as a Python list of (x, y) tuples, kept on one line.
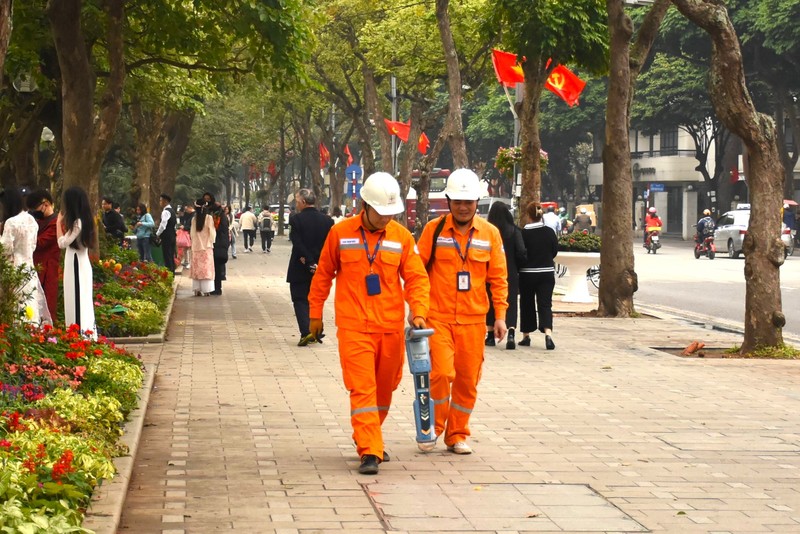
[(153, 338), (105, 510)]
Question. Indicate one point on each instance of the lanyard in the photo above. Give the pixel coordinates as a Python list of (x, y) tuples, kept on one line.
[(366, 248), (458, 247)]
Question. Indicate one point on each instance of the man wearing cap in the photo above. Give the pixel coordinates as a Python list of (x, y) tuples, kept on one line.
[(377, 269), (309, 229), (166, 231), (467, 254)]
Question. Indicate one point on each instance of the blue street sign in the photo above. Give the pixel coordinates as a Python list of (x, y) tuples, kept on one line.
[(353, 173), (657, 188)]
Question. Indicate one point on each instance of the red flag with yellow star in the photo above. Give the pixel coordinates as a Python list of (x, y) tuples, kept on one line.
[(506, 68)]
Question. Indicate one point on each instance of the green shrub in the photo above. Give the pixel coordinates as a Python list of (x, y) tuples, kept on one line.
[(579, 242)]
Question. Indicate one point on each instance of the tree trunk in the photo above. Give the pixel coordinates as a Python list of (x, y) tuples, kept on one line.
[(5, 33), (374, 110), (171, 146), (423, 188), (535, 76), (618, 279), (762, 247), (453, 124), (147, 124), (87, 133), (409, 149)]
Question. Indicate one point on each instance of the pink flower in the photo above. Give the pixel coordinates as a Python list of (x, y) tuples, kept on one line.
[(52, 340)]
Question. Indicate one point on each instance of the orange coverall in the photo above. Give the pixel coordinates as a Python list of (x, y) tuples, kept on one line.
[(458, 317), (370, 329)]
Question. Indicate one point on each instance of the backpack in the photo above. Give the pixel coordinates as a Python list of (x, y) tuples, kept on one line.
[(266, 223), (433, 245)]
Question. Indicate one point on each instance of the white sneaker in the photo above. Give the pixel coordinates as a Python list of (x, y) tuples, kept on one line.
[(460, 447), (426, 446)]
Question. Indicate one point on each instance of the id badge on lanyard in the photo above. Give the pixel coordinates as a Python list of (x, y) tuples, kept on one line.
[(463, 277), (372, 280)]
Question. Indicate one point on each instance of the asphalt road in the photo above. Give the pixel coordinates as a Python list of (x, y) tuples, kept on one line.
[(673, 279)]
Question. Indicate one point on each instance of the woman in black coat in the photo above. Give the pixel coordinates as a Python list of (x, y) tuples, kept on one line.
[(500, 216), (537, 277)]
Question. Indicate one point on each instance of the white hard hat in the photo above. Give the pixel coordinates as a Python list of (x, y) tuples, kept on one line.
[(583, 210), (786, 206), (463, 184), (382, 192)]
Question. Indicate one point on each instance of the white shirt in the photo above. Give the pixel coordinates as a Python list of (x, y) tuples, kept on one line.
[(165, 215), (553, 221)]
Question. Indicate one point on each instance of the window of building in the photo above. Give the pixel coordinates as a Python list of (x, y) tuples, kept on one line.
[(669, 142)]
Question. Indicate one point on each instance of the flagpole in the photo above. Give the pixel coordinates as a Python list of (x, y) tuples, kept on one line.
[(510, 103)]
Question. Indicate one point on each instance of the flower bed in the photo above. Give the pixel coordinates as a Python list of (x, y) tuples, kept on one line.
[(63, 399), (130, 295)]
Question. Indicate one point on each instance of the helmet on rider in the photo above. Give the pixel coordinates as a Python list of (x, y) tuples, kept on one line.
[(463, 184), (652, 210), (706, 212), (382, 192)]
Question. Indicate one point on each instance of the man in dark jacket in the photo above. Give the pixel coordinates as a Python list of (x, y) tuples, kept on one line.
[(113, 222), (309, 228), (221, 243)]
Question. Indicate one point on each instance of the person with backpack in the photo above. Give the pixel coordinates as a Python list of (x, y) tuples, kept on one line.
[(466, 254), (267, 226), (705, 226)]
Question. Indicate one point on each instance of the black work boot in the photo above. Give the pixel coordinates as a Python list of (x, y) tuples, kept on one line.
[(369, 465), (510, 343), (489, 339)]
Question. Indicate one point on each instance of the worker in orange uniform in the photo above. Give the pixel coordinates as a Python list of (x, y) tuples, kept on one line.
[(377, 266), (467, 254)]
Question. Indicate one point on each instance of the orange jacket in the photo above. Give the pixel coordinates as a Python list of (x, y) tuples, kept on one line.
[(345, 259), (486, 263)]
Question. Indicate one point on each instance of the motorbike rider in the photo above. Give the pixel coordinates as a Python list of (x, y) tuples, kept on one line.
[(651, 222), (705, 226)]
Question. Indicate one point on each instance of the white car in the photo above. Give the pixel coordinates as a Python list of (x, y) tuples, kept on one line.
[(731, 228)]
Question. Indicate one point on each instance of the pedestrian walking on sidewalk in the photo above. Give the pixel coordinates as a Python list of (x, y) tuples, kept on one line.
[(235, 230), (268, 226), (203, 235), (537, 278), (516, 256), (376, 266), (248, 223), (310, 227), (463, 253)]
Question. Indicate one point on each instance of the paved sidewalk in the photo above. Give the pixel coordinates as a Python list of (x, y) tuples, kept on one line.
[(247, 432)]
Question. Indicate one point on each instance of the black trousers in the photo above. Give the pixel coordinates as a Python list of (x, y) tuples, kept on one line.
[(168, 249), (219, 273), (266, 239), (536, 298), (511, 314), (299, 292), (249, 238)]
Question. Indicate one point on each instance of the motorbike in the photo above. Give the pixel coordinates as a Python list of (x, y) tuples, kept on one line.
[(788, 240), (705, 248), (653, 241)]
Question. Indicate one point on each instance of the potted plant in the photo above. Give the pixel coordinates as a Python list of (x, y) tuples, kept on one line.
[(578, 251)]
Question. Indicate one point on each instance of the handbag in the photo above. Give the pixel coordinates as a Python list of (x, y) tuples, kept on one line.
[(183, 239)]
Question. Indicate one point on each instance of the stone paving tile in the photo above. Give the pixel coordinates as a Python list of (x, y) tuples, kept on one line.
[(247, 432)]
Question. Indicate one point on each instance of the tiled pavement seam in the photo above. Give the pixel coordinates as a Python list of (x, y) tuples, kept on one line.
[(247, 432)]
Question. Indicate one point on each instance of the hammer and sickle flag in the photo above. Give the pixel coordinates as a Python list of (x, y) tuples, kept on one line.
[(565, 84), (562, 81)]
